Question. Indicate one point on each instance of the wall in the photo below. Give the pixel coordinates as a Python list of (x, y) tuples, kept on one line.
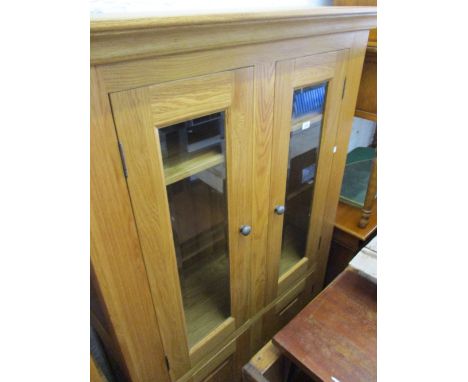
[(362, 134)]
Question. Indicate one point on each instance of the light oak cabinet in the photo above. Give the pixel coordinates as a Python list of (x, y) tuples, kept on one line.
[(217, 157)]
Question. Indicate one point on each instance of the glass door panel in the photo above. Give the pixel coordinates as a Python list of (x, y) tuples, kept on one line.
[(304, 144), (187, 145), (194, 162)]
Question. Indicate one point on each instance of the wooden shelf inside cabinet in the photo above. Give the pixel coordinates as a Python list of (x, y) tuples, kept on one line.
[(182, 166), (205, 292), (202, 242), (300, 190), (296, 123), (291, 252)]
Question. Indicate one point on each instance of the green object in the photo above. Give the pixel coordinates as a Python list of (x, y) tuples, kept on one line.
[(356, 176)]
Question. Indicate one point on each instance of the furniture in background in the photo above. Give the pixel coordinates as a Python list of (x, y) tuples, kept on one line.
[(366, 108), (365, 262), (362, 192), (218, 144), (356, 219), (359, 188), (270, 365), (366, 104), (334, 338), (348, 239)]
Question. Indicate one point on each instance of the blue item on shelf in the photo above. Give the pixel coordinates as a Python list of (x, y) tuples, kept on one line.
[(308, 100)]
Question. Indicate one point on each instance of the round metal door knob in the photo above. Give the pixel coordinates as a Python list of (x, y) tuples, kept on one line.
[(279, 210), (245, 230)]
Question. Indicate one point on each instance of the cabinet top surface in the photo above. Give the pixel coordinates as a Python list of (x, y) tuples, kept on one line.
[(114, 16), (131, 35)]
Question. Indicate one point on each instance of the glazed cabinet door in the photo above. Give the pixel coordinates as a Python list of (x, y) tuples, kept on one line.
[(188, 154), (308, 93)]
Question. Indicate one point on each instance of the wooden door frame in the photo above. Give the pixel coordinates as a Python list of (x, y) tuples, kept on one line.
[(293, 74), (137, 114), (116, 259)]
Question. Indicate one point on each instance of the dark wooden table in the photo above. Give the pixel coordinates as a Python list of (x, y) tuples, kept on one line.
[(334, 338)]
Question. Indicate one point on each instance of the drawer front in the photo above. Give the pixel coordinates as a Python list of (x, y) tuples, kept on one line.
[(217, 366), (223, 373), (292, 295), (288, 306)]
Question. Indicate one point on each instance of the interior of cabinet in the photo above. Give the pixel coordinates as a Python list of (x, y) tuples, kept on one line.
[(195, 175), (204, 272), (305, 134), (185, 165), (294, 243), (192, 146)]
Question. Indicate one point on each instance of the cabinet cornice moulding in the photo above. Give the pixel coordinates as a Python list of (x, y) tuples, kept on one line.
[(128, 39)]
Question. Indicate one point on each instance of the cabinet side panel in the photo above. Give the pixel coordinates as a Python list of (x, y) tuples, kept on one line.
[(353, 78), (115, 250)]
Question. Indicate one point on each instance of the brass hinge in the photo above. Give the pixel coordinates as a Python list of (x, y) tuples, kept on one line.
[(344, 88), (122, 158), (167, 362)]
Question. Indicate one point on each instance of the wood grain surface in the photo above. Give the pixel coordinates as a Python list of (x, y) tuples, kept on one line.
[(347, 217), (96, 374), (116, 258), (133, 119), (336, 334), (133, 255), (114, 40)]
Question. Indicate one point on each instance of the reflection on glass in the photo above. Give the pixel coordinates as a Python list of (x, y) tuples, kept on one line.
[(306, 127), (194, 165), (362, 151)]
